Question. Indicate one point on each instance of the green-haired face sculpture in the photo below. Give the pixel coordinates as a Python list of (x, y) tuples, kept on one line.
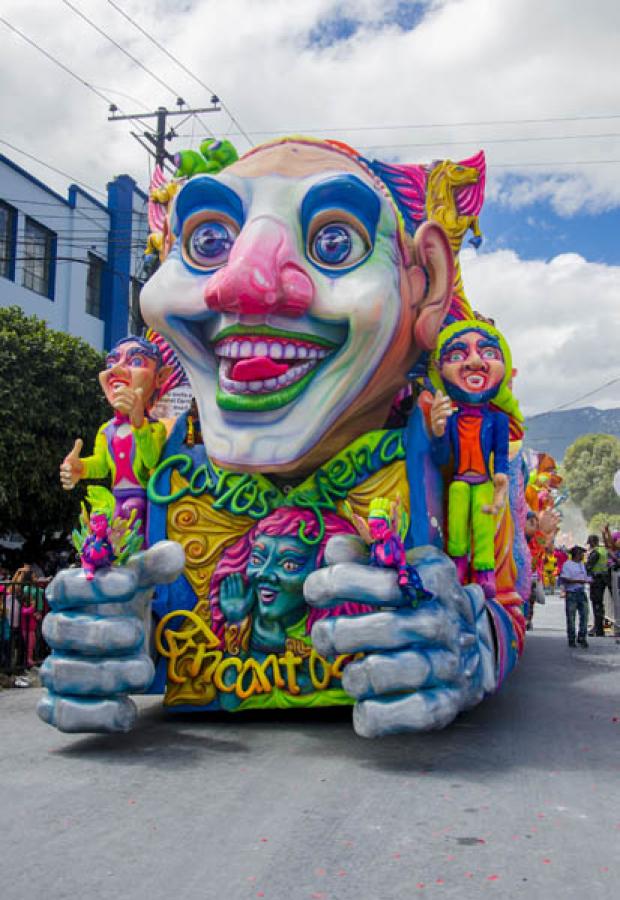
[(296, 301)]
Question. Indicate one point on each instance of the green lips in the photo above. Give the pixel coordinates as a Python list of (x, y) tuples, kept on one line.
[(266, 401)]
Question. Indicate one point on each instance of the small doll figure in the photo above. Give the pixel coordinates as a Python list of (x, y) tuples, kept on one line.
[(384, 531), (101, 539), (97, 551)]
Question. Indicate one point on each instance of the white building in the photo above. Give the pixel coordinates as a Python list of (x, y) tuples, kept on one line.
[(77, 263)]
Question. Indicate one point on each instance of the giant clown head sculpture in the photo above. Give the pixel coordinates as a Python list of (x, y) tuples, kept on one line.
[(297, 295)]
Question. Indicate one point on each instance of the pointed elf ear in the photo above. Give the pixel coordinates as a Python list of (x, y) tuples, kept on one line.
[(431, 280)]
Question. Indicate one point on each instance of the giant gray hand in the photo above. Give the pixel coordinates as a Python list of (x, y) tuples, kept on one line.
[(422, 666), (99, 632)]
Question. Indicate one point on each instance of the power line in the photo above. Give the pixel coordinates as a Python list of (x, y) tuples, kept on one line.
[(512, 140), (130, 56), (577, 399), (551, 163), (52, 168), (184, 68), (126, 52), (60, 64), (418, 125), (53, 59)]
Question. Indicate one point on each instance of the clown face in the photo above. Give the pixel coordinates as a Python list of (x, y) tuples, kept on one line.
[(472, 366), (129, 365), (287, 300)]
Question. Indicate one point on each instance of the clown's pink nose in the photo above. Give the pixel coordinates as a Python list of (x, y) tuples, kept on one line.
[(262, 276)]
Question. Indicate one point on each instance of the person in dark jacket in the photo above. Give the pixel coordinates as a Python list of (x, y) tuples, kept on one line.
[(598, 569)]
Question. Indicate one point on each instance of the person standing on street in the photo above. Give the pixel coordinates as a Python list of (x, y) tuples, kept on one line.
[(598, 569), (574, 579)]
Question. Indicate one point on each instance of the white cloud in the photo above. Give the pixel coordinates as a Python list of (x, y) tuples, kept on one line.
[(561, 319), (468, 61)]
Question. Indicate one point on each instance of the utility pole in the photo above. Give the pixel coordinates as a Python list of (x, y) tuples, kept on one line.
[(158, 138)]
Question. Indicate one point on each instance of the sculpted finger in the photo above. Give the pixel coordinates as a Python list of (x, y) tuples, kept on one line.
[(160, 564), (70, 714), (423, 711), (386, 631), (438, 574), (93, 635), (352, 581), (76, 449), (408, 670), (70, 588), (96, 678), (344, 548)]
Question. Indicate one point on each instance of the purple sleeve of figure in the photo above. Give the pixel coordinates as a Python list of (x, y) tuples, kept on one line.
[(399, 551)]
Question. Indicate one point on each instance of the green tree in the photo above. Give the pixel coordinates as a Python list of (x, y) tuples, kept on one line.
[(598, 522), (589, 468), (49, 395)]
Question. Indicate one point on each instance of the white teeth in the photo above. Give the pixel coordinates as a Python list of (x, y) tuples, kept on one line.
[(245, 349), (261, 386), (233, 349), (302, 352), (275, 351), (290, 351), (313, 353), (260, 348)]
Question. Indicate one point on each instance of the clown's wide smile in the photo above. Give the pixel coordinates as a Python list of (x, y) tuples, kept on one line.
[(265, 368)]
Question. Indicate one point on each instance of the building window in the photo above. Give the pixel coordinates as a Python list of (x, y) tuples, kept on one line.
[(136, 322), (39, 259), (8, 235), (94, 282)]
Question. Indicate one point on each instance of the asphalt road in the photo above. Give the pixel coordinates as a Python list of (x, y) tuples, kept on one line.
[(520, 798)]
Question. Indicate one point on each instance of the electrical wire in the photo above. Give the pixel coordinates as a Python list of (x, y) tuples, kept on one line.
[(53, 59), (52, 168), (419, 125), (134, 59), (512, 140), (577, 399), (123, 50), (183, 67), (64, 67)]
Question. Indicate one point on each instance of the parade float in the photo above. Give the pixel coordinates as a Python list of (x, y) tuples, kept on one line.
[(337, 517)]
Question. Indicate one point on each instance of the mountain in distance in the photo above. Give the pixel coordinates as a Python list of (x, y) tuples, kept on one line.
[(554, 432)]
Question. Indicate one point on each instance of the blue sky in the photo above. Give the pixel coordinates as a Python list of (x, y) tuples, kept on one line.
[(536, 231), (340, 23)]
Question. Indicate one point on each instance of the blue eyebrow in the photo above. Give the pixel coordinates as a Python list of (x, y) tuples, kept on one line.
[(489, 341), (201, 193), (344, 192), (453, 345)]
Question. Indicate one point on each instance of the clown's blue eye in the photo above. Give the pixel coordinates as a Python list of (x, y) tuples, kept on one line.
[(210, 243), (137, 362), (338, 244)]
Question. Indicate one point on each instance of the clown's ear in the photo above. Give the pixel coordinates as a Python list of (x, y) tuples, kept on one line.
[(431, 277)]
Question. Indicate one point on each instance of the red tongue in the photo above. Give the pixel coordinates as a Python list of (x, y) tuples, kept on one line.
[(258, 368)]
